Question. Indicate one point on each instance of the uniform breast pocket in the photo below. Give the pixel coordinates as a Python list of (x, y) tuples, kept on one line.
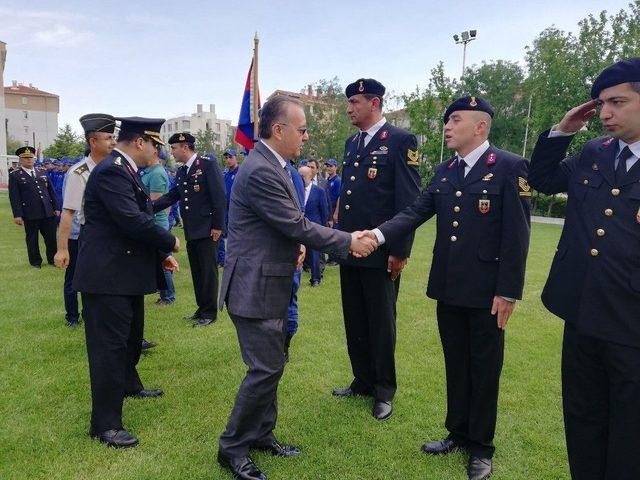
[(487, 200), (584, 185)]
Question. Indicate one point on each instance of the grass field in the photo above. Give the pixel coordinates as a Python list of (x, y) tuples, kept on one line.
[(45, 398)]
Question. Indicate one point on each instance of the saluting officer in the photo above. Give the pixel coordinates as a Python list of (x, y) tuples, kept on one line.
[(481, 198), (34, 205), (379, 179), (594, 282), (120, 253), (98, 132), (200, 190)]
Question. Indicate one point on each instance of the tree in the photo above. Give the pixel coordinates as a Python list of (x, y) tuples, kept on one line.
[(205, 143), (12, 145), (66, 144), (327, 122)]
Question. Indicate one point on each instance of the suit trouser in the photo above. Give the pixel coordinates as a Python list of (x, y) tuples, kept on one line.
[(369, 309), (113, 328), (314, 259), (204, 273), (71, 295), (292, 311), (47, 228), (601, 405), (253, 417), (473, 347)]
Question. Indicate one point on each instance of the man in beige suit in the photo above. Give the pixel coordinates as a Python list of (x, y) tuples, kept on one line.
[(264, 245)]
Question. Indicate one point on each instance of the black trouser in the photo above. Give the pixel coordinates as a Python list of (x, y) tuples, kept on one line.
[(47, 228), (473, 348), (113, 326), (204, 273), (369, 310), (601, 404), (255, 410), (70, 295)]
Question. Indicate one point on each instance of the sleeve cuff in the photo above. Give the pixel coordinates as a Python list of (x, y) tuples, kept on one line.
[(554, 132), (379, 236), (509, 299)]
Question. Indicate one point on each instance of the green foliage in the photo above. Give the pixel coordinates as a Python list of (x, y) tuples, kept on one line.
[(327, 122), (66, 144), (12, 145), (205, 143)]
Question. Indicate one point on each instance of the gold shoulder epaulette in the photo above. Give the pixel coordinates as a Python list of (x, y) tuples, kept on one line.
[(82, 169)]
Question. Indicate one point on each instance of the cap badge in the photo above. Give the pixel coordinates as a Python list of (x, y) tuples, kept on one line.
[(181, 137), (360, 86), (473, 102)]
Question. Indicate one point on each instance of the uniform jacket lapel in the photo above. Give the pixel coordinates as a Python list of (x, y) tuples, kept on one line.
[(374, 143), (481, 168), (451, 173), (605, 161)]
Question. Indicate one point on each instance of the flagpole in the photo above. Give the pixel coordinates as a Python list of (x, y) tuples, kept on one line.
[(256, 93)]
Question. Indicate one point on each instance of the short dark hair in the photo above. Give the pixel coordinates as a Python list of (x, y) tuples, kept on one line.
[(313, 160), (272, 112), (191, 146), (128, 137), (371, 96), (635, 86)]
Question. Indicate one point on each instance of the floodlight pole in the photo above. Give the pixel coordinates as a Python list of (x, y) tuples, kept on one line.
[(464, 39)]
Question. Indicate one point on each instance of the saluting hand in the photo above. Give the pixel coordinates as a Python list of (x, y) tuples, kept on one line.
[(503, 308), (578, 117), (61, 258)]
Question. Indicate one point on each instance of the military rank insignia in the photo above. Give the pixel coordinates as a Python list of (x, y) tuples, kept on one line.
[(491, 159), (484, 205), (412, 157), (384, 135), (82, 169), (524, 190), (372, 173), (118, 161)]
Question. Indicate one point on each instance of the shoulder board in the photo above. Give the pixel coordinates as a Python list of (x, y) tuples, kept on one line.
[(82, 169)]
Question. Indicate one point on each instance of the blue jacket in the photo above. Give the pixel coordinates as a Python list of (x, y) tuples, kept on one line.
[(316, 208)]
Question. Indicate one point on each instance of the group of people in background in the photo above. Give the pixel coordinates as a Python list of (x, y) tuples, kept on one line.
[(115, 233)]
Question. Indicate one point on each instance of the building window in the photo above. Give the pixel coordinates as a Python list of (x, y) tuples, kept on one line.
[(25, 100), (26, 114)]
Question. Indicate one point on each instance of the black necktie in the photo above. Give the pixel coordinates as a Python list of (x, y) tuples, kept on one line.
[(621, 169), (461, 166), (363, 135)]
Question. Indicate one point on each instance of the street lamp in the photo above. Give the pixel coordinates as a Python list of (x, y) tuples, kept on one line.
[(464, 38)]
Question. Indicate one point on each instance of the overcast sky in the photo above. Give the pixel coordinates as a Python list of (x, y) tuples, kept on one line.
[(161, 58)]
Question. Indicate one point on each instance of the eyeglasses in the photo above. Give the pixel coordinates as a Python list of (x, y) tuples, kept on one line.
[(301, 131)]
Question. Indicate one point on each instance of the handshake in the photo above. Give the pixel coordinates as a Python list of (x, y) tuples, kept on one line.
[(363, 243)]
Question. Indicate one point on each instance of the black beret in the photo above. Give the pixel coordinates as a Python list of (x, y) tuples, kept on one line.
[(620, 72), (98, 122), (181, 137), (474, 104), (26, 152), (143, 126), (364, 86)]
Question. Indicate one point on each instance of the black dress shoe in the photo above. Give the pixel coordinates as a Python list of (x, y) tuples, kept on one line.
[(440, 447), (116, 438), (36, 265), (315, 283), (72, 323), (242, 468), (479, 468), (277, 449), (146, 344), (203, 322), (349, 392), (382, 410), (151, 393)]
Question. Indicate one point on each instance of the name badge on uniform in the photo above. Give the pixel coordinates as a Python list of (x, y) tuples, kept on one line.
[(484, 205), (196, 188), (372, 173)]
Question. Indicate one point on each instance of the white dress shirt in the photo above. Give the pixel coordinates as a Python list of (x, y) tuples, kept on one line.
[(373, 129)]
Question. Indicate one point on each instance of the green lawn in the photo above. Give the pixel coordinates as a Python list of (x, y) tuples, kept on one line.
[(45, 398)]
